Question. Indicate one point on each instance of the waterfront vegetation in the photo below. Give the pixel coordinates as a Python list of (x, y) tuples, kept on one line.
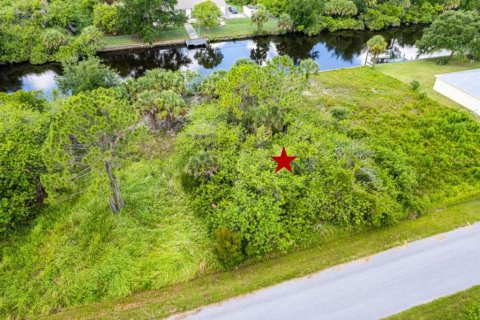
[(39, 31), (150, 183)]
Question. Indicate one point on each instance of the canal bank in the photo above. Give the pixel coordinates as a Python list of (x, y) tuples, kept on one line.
[(330, 50)]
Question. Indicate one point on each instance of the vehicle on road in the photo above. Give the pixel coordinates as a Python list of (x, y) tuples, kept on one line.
[(233, 10)]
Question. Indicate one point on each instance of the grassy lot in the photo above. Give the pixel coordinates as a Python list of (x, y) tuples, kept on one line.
[(220, 286), (424, 71), (171, 34), (236, 28), (464, 305), (78, 252)]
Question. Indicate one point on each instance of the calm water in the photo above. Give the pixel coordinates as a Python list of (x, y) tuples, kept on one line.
[(330, 51)]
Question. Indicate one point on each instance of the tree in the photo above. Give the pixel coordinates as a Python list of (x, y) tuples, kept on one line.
[(105, 18), (86, 75), (304, 12), (207, 13), (376, 45), (308, 67), (276, 7), (85, 45), (83, 141), (23, 128), (285, 23), (454, 31), (260, 16), (144, 16), (340, 8)]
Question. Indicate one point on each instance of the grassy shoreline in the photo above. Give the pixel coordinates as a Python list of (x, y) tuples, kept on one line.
[(453, 307), (219, 286), (234, 29)]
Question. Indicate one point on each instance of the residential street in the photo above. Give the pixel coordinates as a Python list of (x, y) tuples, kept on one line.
[(369, 288)]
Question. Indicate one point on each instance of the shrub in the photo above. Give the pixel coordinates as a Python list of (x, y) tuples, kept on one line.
[(339, 113), (415, 85), (23, 128), (228, 246), (473, 313)]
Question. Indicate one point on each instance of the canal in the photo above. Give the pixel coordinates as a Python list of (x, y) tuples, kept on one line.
[(329, 50)]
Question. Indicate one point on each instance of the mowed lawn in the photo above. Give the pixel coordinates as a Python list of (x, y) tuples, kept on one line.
[(464, 305), (424, 72), (237, 28)]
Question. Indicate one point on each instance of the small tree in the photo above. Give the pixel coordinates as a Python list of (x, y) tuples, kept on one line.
[(207, 13), (285, 23), (308, 67), (105, 18), (376, 45), (260, 16), (83, 141), (86, 75)]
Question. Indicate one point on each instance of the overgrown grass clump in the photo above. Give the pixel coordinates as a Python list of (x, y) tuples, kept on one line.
[(78, 252)]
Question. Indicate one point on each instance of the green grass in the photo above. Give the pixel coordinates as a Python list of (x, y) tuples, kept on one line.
[(389, 114), (170, 34), (237, 28), (79, 252), (424, 71), (464, 305), (220, 286), (234, 28)]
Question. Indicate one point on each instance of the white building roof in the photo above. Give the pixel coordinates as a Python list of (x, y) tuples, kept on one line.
[(189, 4), (467, 81)]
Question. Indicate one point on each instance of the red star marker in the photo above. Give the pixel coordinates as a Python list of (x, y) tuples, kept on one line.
[(283, 161)]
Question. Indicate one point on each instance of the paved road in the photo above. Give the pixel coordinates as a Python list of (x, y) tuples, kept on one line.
[(370, 288)]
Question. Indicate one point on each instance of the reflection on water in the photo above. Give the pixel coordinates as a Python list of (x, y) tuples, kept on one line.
[(329, 50)]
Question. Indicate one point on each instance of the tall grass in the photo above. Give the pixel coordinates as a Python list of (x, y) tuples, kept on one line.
[(79, 252)]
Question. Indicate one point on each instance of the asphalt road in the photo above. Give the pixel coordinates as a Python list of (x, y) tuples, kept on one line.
[(369, 288)]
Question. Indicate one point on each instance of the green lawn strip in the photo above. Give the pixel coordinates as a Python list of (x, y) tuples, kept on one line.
[(176, 33), (424, 71), (237, 28), (224, 285), (233, 28), (455, 307)]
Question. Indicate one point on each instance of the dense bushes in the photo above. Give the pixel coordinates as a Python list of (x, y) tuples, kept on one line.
[(351, 171), (24, 127)]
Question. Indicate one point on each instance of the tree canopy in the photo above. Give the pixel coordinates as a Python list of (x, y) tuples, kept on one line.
[(207, 13), (86, 75), (457, 31), (83, 141), (147, 17)]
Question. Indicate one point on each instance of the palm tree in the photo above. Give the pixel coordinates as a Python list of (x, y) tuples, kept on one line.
[(376, 45), (308, 67), (146, 104), (170, 104)]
